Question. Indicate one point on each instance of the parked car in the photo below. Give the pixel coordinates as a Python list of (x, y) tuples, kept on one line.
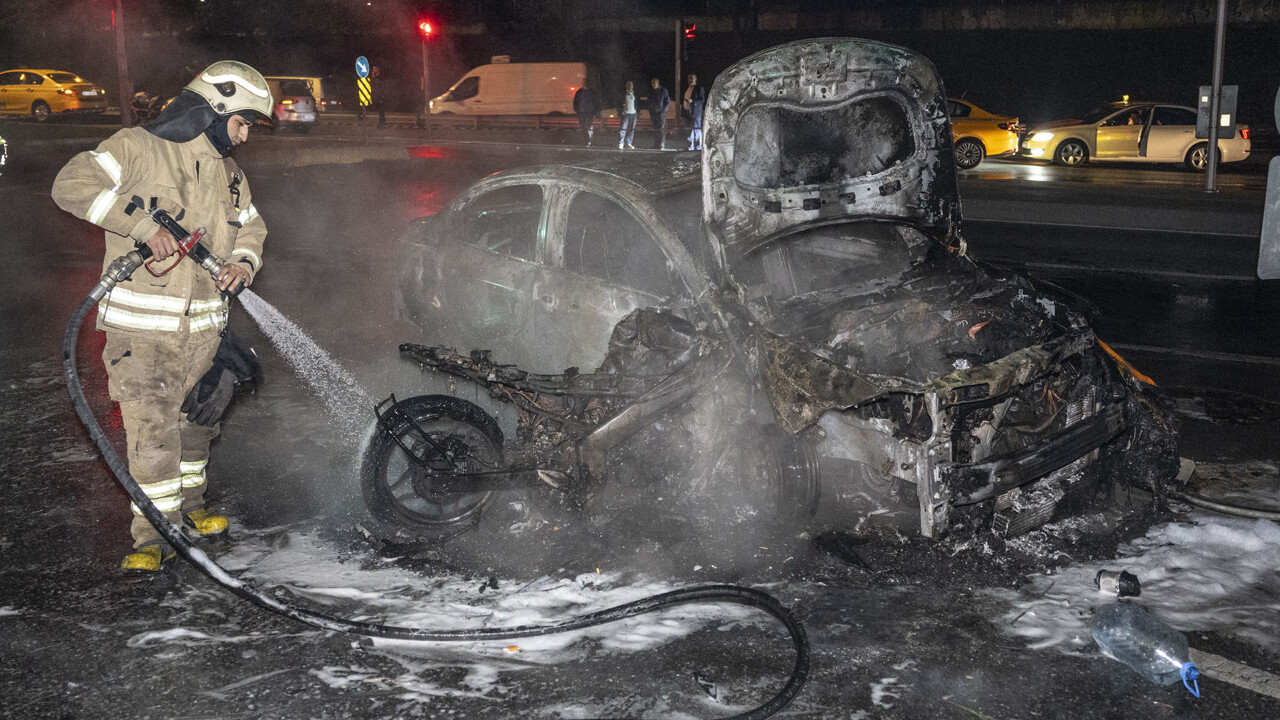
[(295, 103), (826, 331), (978, 134), (44, 93), (1132, 132), (315, 86)]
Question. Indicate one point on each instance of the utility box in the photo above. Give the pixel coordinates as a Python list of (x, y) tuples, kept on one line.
[(1226, 112)]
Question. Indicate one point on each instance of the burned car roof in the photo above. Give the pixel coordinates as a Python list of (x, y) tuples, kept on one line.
[(656, 174), (822, 131)]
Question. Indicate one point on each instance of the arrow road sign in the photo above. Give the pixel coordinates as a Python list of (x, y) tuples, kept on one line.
[(362, 67)]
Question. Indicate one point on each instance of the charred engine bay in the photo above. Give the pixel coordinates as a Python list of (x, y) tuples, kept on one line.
[(699, 484)]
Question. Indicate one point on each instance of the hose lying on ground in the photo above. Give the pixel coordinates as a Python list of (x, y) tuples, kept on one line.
[(174, 536), (1224, 508)]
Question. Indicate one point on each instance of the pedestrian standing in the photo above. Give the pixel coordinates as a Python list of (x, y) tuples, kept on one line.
[(627, 111), (376, 95), (165, 335), (587, 106), (695, 101), (659, 104)]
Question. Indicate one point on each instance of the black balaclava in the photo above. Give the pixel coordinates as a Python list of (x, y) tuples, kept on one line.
[(188, 117), (217, 134)]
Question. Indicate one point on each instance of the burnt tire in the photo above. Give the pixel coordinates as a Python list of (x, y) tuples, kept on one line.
[(460, 437), (1071, 153), (968, 153)]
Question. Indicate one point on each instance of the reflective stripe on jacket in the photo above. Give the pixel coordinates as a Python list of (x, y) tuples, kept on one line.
[(191, 178)]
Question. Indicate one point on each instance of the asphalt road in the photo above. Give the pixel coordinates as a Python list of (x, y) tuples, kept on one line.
[(915, 638)]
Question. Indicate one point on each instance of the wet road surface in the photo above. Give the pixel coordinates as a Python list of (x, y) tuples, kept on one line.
[(918, 637)]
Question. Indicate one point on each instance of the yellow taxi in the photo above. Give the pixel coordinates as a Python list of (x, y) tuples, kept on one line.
[(977, 134), (42, 93)]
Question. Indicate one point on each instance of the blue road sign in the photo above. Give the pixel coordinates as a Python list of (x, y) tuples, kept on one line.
[(362, 66)]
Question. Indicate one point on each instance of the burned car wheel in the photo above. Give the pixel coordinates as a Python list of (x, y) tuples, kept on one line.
[(433, 438)]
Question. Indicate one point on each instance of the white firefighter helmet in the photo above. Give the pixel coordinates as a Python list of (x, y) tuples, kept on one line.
[(233, 88)]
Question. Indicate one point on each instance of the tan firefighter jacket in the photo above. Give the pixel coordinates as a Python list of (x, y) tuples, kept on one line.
[(190, 177)]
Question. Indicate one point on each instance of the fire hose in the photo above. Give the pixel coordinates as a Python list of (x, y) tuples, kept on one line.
[(122, 269)]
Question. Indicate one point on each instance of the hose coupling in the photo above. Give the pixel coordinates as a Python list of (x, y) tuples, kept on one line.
[(119, 270)]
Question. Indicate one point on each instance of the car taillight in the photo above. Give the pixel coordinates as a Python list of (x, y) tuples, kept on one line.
[(286, 101), (65, 91), (1244, 133), (1003, 126)]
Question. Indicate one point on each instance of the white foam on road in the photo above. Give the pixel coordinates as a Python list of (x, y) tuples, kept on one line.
[(1207, 573), (307, 567)]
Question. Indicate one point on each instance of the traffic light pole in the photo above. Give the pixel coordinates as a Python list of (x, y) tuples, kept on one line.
[(122, 69), (676, 97), (426, 90), (1215, 99)]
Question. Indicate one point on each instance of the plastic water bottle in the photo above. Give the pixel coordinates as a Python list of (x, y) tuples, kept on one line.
[(1155, 650)]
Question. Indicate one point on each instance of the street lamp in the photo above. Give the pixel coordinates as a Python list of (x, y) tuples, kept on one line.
[(425, 29)]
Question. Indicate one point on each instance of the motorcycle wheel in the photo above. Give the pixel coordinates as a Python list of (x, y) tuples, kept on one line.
[(446, 436)]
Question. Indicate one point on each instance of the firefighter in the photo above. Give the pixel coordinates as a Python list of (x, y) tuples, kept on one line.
[(163, 333)]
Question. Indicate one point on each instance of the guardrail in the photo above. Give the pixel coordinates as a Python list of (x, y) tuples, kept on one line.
[(536, 122)]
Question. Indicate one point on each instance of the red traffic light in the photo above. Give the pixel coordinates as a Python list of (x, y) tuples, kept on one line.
[(690, 30), (424, 27)]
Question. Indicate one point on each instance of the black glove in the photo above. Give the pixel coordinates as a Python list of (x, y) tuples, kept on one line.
[(240, 359), (210, 397), (234, 366)]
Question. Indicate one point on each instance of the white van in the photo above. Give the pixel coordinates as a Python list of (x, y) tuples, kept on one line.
[(516, 89)]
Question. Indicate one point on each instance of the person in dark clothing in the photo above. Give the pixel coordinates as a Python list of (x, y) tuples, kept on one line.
[(695, 100), (376, 99), (659, 103), (587, 106)]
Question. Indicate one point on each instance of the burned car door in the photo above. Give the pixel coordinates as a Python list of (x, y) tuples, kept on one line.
[(607, 263), (477, 270)]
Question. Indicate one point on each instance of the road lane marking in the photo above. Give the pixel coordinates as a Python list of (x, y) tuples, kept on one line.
[(1181, 275), (1201, 354), (970, 218)]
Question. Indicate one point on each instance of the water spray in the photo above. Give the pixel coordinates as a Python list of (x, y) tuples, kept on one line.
[(122, 268)]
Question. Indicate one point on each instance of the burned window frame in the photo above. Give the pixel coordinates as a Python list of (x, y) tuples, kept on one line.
[(461, 221)]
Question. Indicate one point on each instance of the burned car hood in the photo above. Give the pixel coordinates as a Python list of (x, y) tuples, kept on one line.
[(824, 131), (945, 323)]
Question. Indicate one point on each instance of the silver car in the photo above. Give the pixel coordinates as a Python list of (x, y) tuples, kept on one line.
[(1132, 132)]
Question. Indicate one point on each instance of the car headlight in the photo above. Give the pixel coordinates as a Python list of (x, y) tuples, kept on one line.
[(1042, 137)]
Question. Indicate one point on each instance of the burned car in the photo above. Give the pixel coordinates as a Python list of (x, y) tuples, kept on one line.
[(821, 348)]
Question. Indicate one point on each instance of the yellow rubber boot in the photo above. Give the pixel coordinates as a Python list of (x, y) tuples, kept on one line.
[(205, 523), (147, 559)]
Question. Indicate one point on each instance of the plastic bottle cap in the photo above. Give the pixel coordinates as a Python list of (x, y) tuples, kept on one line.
[(1189, 674)]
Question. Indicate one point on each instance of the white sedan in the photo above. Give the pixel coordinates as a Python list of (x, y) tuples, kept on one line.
[(1135, 132)]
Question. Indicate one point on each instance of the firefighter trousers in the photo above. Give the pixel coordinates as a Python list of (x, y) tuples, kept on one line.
[(167, 454)]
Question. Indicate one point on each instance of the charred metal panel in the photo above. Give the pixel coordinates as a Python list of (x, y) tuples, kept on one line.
[(996, 378), (823, 131), (801, 385)]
